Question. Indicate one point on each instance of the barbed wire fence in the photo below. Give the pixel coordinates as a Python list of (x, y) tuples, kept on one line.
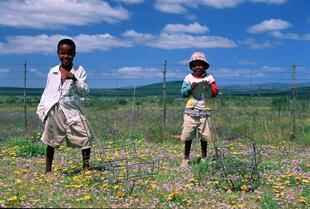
[(28, 76), (127, 166)]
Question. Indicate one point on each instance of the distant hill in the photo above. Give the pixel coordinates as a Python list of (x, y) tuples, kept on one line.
[(174, 89), (11, 91)]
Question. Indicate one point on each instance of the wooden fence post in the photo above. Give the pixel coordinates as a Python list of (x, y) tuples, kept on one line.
[(164, 93), (25, 96)]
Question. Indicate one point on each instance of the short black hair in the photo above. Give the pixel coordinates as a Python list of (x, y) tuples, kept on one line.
[(66, 41)]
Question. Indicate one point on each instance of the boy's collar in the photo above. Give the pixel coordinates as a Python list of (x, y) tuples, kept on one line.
[(202, 76)]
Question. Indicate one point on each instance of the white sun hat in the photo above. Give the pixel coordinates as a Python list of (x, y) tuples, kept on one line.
[(199, 56)]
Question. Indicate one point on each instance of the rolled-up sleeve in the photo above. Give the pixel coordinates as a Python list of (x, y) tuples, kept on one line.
[(41, 109), (81, 84)]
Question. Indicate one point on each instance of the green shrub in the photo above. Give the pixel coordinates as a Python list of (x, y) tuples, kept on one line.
[(26, 148), (203, 169), (268, 202), (122, 102)]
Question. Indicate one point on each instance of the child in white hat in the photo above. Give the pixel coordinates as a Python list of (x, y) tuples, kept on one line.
[(195, 88)]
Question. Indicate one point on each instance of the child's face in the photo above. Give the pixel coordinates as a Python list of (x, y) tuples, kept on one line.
[(66, 54), (198, 69)]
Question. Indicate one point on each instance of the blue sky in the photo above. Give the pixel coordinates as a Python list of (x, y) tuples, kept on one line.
[(124, 43)]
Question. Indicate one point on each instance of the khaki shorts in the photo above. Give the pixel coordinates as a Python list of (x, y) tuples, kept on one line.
[(56, 130), (191, 124)]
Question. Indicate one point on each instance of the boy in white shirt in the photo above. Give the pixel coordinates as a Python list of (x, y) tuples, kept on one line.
[(195, 88), (60, 107)]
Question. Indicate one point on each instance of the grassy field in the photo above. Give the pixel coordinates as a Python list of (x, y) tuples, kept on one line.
[(133, 132)]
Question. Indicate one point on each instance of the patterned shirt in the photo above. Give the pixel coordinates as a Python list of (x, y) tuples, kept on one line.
[(197, 97)]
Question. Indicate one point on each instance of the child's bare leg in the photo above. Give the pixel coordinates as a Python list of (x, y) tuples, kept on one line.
[(204, 146), (86, 157), (49, 158), (187, 149)]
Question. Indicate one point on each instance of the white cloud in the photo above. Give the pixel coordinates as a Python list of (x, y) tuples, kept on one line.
[(37, 72), (183, 62), (43, 14), (139, 72), (183, 41), (4, 70), (236, 72), (48, 44), (132, 1), (273, 69), (220, 4), (182, 6), (292, 36), (269, 25), (100, 42), (30, 44), (246, 62), (252, 43), (138, 37), (269, 1), (180, 28), (169, 6), (174, 36)]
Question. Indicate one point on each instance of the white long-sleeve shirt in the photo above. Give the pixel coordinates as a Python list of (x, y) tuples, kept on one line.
[(68, 94)]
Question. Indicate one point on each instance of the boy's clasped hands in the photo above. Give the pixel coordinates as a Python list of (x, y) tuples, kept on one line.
[(67, 75), (194, 84)]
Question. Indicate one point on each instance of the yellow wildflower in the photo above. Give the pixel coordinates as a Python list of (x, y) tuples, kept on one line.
[(13, 198), (87, 197), (193, 180), (216, 183), (18, 181), (298, 178), (276, 187), (170, 196), (302, 200), (105, 186), (116, 187), (17, 172), (88, 177), (240, 206), (78, 186), (305, 181), (154, 185), (290, 174), (244, 188), (120, 194), (237, 153), (87, 172), (187, 202), (22, 198), (187, 185)]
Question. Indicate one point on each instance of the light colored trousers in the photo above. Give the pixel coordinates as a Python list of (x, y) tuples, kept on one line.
[(193, 123)]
